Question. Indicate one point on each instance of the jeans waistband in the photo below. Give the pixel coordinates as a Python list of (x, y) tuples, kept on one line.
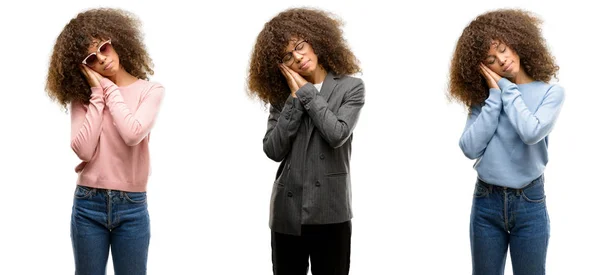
[(105, 191), (517, 190)]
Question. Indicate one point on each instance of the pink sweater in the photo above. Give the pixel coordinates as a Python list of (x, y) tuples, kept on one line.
[(111, 133)]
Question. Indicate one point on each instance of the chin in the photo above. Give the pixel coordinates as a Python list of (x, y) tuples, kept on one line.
[(303, 73), (108, 74), (510, 74), (308, 72)]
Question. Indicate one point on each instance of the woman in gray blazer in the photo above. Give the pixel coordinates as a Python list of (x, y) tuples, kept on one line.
[(300, 66)]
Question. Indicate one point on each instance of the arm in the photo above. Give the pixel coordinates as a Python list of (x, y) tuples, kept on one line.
[(86, 125), (282, 128), (481, 126), (534, 126), (133, 126), (334, 128)]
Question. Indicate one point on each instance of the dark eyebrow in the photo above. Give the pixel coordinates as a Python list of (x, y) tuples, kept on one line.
[(296, 42)]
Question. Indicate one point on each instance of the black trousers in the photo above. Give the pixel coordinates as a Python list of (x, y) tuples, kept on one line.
[(327, 246)]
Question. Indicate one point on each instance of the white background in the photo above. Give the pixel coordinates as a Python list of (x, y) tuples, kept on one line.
[(211, 183)]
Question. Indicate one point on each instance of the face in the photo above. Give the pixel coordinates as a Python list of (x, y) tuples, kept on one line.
[(102, 58), (502, 60), (300, 57)]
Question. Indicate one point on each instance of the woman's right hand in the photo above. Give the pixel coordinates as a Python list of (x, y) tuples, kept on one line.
[(490, 76), (90, 76), (290, 79)]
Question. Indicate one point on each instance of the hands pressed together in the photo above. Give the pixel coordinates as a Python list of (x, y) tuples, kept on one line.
[(490, 76), (93, 78), (294, 80)]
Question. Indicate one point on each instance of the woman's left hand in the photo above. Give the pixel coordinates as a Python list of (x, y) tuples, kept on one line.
[(488, 73), (295, 80), (94, 74)]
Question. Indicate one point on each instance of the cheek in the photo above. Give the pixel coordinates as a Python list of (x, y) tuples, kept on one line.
[(314, 58)]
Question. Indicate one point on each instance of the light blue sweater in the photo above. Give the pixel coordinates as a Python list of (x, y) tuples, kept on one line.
[(508, 135)]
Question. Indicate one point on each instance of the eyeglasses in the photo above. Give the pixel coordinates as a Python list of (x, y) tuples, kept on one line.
[(92, 58), (300, 48)]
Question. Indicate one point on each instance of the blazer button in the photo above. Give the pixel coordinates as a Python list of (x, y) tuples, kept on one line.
[(290, 194), (322, 156), (318, 183)]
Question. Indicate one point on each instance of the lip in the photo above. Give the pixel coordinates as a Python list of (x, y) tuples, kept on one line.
[(509, 66), (109, 66), (305, 65)]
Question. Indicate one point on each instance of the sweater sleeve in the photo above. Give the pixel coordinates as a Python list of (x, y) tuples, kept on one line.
[(531, 125), (133, 127), (86, 125), (481, 126)]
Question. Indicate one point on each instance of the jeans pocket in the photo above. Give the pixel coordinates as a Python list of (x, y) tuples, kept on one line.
[(534, 192), (82, 192), (135, 197), (480, 190)]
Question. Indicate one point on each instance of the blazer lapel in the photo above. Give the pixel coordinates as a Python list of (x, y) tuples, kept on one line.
[(328, 85)]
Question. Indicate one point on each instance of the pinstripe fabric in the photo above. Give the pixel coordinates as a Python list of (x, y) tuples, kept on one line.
[(311, 136)]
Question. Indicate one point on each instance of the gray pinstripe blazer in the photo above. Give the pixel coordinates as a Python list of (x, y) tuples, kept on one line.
[(311, 136)]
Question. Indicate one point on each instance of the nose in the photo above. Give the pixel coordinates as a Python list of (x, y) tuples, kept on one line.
[(101, 58), (502, 60), (297, 56)]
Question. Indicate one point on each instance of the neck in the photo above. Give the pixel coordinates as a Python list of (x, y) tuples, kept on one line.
[(521, 78), (122, 78), (318, 76)]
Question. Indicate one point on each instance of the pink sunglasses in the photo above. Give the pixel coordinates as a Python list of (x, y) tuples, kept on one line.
[(92, 58)]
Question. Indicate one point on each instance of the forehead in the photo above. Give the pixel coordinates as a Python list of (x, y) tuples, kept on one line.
[(494, 45), (292, 43)]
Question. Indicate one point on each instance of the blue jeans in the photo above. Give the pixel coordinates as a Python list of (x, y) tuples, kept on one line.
[(116, 219), (503, 216)]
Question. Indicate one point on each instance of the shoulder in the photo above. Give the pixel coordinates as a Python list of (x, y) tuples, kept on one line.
[(349, 80), (352, 86), (554, 90), (150, 87)]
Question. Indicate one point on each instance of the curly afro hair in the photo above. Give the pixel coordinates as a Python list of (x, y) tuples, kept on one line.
[(519, 30), (320, 28), (65, 82)]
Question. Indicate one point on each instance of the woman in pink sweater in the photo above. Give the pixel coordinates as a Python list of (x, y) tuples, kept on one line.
[(99, 66)]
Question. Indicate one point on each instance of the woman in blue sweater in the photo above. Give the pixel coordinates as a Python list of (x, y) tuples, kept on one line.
[(501, 70)]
